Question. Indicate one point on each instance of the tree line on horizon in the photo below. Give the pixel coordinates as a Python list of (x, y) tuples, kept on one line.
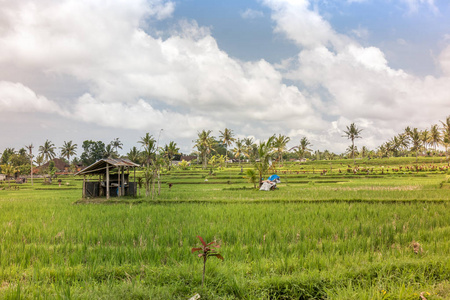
[(218, 150)]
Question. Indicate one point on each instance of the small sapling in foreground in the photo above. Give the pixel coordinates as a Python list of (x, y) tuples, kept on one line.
[(206, 250)]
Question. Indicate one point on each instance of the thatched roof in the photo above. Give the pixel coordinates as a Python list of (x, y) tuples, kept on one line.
[(99, 167)]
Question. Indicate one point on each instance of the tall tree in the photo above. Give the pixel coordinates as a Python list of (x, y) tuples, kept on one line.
[(9, 170), (265, 151), (435, 136), (30, 155), (425, 136), (280, 143), (352, 133), (250, 148), (170, 151), (227, 139), (47, 150), (7, 154), (149, 145), (110, 152), (68, 149), (92, 152), (239, 150), (117, 144), (149, 151), (416, 141), (446, 134), (134, 155), (302, 148), (204, 144)]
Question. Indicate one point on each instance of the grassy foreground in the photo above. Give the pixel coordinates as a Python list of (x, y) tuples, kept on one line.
[(317, 237)]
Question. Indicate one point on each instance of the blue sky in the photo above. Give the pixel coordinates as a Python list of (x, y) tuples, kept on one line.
[(83, 69)]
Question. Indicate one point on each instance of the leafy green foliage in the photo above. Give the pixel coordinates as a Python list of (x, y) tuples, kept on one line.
[(92, 152)]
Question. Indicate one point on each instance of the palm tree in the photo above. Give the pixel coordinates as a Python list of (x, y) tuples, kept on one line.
[(134, 155), (446, 134), (435, 136), (47, 151), (249, 148), (425, 136), (239, 150), (149, 145), (170, 151), (227, 140), (416, 140), (265, 151), (39, 160), (204, 144), (110, 152), (30, 154), (364, 151), (9, 170), (68, 150), (302, 148), (352, 133), (279, 144), (251, 176), (117, 144)]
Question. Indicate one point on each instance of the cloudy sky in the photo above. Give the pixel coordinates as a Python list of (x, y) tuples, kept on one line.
[(91, 69)]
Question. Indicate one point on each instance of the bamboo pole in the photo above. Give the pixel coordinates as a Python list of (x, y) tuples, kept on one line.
[(107, 181), (118, 182), (84, 186)]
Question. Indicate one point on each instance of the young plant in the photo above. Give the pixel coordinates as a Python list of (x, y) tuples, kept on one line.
[(205, 252)]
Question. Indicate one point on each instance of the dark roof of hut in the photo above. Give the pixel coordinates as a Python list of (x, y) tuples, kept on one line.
[(99, 167)]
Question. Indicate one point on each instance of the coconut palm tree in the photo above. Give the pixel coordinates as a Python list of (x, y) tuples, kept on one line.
[(425, 136), (134, 155), (227, 139), (249, 148), (435, 136), (352, 133), (170, 151), (416, 141), (204, 144), (279, 144), (149, 151), (9, 170), (30, 155), (68, 149), (446, 134), (265, 151), (47, 151), (302, 148), (117, 144), (239, 150), (110, 152)]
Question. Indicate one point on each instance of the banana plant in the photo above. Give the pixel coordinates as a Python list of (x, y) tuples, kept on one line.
[(206, 250)]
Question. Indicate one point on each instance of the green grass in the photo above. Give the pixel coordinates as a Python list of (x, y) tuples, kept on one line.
[(317, 237)]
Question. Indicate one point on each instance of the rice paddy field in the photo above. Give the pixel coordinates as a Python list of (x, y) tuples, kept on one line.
[(379, 230)]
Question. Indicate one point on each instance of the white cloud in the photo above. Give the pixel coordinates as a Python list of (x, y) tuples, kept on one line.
[(251, 14), (358, 81), (415, 5), (185, 82), (15, 97)]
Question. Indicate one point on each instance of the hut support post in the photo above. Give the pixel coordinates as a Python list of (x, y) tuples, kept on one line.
[(107, 181), (123, 181), (134, 181), (84, 186), (118, 181)]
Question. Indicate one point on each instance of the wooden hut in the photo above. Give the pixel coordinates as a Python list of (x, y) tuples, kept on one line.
[(113, 178)]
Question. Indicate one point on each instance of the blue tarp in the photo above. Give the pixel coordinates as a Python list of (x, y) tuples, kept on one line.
[(273, 177)]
